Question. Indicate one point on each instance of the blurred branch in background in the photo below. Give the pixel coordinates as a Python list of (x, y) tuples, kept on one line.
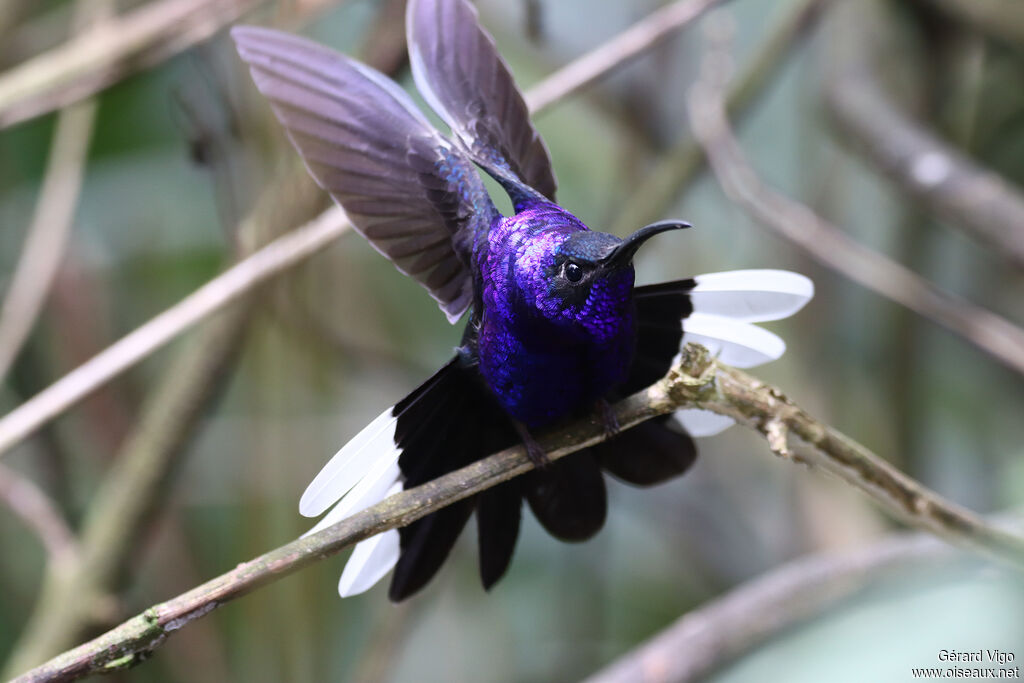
[(112, 51), (273, 259), (729, 626), (1001, 19), (10, 14), (698, 380), (642, 36), (235, 282), (675, 170), (138, 482), (941, 178), (55, 210), (40, 514), (825, 242)]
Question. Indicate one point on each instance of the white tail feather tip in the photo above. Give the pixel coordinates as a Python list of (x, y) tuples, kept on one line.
[(698, 422), (350, 464), (734, 342), (370, 562), (751, 295)]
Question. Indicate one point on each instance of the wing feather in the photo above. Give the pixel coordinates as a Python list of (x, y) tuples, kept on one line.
[(462, 77), (415, 197)]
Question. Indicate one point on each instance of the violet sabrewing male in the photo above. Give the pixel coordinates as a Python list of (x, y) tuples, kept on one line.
[(556, 327)]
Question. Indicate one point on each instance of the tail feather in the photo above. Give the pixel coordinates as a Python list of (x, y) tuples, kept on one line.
[(452, 420), (498, 517), (371, 559), (751, 295), (649, 453), (568, 497), (469, 425), (425, 545), (702, 423), (350, 464)]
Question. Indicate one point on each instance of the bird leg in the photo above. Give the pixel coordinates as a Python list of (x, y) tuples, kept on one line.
[(534, 451), (609, 421)]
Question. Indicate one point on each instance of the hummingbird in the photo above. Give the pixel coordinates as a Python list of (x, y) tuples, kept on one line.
[(556, 327)]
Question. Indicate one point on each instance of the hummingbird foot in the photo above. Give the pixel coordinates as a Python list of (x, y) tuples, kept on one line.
[(534, 451), (609, 421)]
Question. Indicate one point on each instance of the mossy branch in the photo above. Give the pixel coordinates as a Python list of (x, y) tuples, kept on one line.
[(698, 380)]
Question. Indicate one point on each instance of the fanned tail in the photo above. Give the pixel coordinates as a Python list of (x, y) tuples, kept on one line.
[(452, 420), (470, 426)]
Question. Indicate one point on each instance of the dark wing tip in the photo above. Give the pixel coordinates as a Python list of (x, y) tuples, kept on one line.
[(461, 75)]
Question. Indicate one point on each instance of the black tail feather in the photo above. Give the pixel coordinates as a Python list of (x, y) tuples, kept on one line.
[(498, 515), (660, 310), (568, 497), (654, 451), (449, 422), (425, 545), (649, 453)]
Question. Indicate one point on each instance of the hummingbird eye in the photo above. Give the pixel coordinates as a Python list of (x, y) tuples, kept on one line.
[(573, 272)]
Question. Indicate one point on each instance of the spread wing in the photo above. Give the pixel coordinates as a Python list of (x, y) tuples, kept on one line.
[(417, 199), (461, 76)]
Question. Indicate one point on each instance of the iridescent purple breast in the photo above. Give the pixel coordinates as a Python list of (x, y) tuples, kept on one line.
[(549, 347)]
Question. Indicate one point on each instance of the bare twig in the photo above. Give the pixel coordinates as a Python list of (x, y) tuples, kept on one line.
[(163, 28), (39, 514), (826, 243), (698, 380), (718, 632), (134, 490), (941, 178), (631, 43), (113, 50), (272, 260), (663, 183), (54, 214), (276, 257), (138, 482), (728, 391)]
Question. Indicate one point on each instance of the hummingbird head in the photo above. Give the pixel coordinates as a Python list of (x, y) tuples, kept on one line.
[(582, 280)]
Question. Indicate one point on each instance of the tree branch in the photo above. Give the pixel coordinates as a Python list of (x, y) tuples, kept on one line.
[(827, 244), (1002, 19), (273, 259), (54, 213), (732, 624), (697, 381), (39, 514), (138, 482), (110, 52), (945, 181), (136, 487), (663, 183), (628, 45)]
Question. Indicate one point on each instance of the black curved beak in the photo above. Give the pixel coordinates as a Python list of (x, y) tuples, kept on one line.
[(624, 252)]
